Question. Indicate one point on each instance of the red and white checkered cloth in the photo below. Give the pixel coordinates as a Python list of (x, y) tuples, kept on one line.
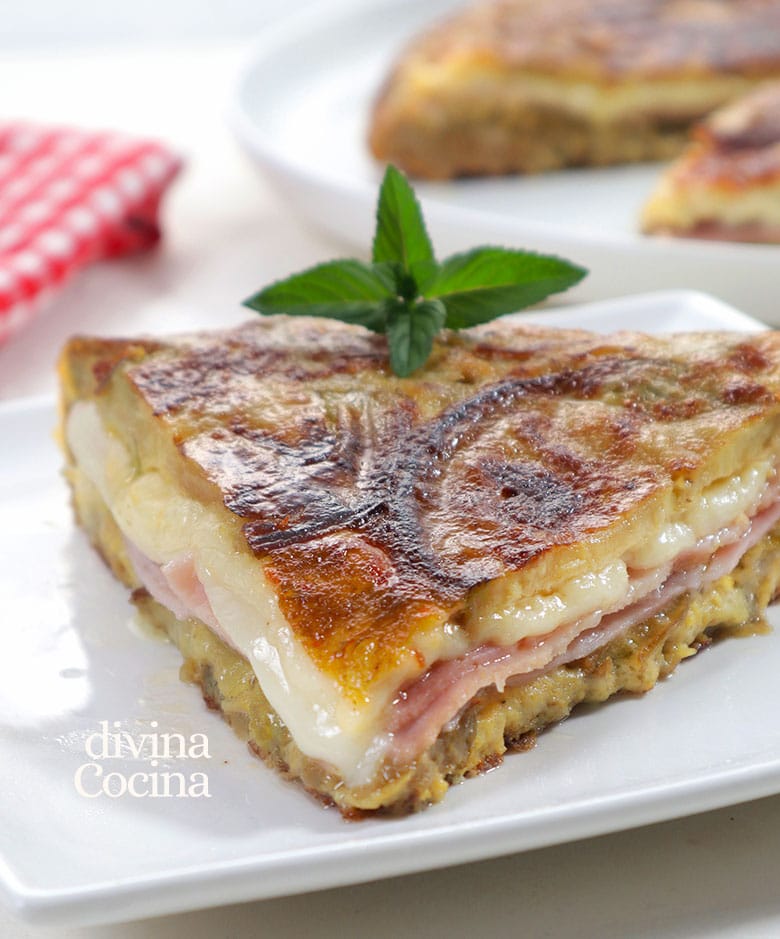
[(69, 197)]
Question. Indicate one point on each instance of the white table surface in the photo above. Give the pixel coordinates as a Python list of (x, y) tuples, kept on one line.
[(226, 233)]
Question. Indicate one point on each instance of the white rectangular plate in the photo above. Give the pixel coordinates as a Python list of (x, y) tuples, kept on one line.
[(707, 737), (302, 107)]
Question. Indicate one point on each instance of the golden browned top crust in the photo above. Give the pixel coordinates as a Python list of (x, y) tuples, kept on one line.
[(378, 503), (614, 39)]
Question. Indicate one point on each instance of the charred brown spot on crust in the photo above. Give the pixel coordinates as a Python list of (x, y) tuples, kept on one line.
[(746, 392), (531, 494), (679, 410), (749, 358), (489, 352)]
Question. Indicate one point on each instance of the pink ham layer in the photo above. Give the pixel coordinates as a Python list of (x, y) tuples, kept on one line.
[(176, 585), (749, 232), (420, 710)]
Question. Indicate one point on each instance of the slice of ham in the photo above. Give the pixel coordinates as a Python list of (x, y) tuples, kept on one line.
[(714, 230), (422, 709), (153, 577), (176, 585)]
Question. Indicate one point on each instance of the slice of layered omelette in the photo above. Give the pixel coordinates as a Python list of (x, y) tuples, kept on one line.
[(386, 583), (726, 185)]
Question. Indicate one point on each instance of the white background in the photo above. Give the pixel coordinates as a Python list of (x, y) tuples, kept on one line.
[(166, 69), (49, 24)]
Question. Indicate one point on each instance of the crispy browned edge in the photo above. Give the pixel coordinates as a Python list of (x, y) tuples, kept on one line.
[(493, 723)]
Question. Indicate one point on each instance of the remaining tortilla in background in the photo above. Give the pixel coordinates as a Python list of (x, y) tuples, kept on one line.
[(519, 86), (726, 185)]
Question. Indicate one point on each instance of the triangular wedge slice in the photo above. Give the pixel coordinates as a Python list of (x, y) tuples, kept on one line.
[(726, 186), (386, 583)]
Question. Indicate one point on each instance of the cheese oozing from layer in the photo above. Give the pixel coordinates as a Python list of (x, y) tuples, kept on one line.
[(187, 541)]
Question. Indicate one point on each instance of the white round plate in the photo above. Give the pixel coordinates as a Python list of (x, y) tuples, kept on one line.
[(301, 109)]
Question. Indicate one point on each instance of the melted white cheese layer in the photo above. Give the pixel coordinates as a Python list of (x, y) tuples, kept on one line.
[(167, 526), (600, 101)]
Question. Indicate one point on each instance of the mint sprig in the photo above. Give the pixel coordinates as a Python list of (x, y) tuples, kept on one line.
[(405, 293)]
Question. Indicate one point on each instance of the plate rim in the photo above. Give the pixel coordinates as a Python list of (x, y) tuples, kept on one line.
[(260, 145)]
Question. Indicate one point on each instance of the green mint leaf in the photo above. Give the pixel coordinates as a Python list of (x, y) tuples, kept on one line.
[(423, 273), (401, 283), (406, 293), (411, 328), (487, 282), (350, 290), (401, 237)]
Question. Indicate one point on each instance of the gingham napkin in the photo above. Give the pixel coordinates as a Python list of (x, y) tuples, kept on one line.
[(69, 197)]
